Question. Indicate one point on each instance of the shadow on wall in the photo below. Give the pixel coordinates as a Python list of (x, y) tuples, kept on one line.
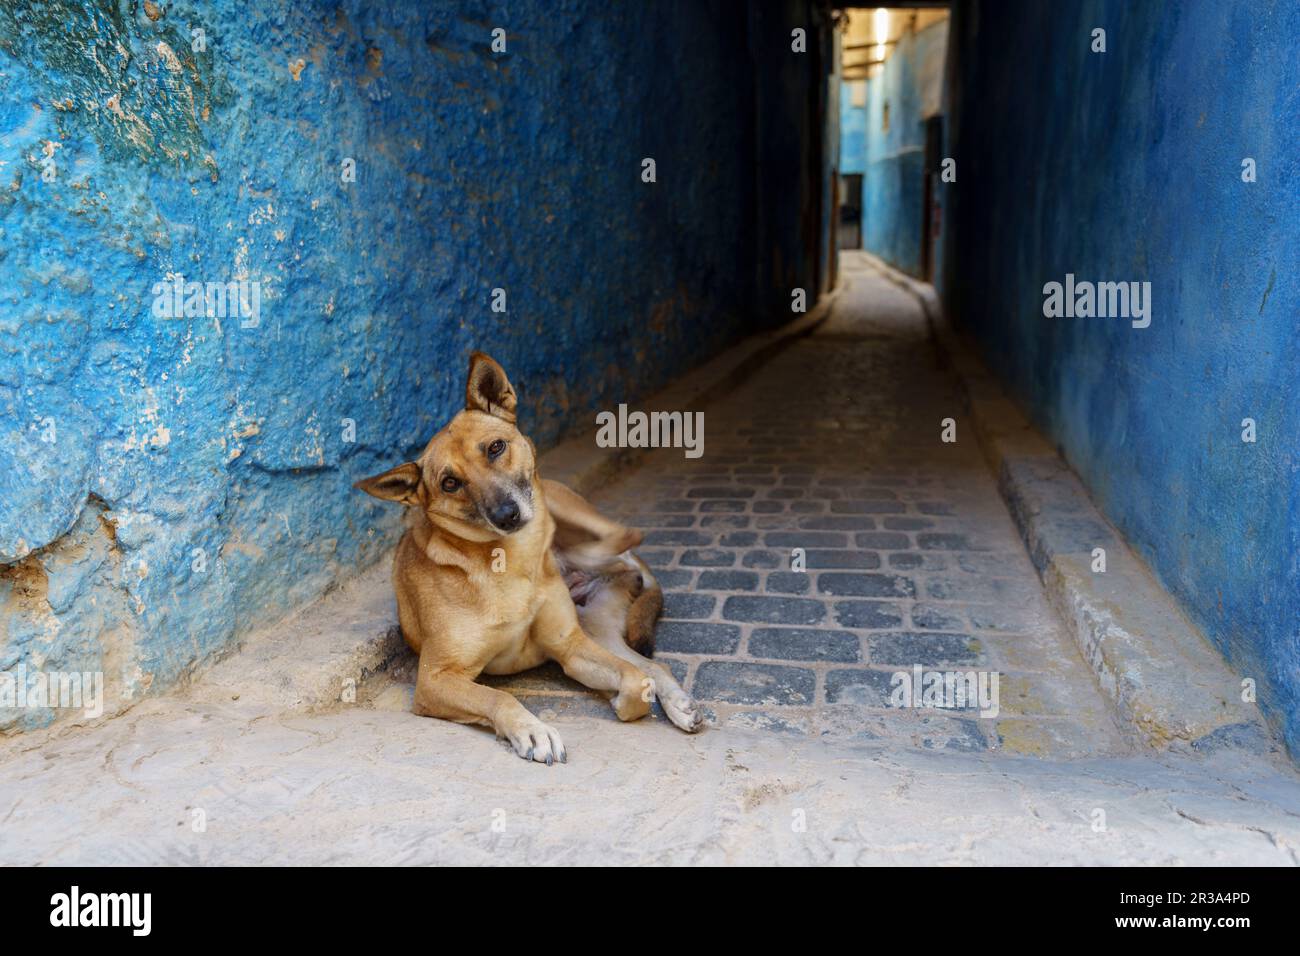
[(349, 200), (1163, 154)]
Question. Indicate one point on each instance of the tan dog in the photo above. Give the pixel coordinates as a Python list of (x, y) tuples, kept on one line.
[(484, 572)]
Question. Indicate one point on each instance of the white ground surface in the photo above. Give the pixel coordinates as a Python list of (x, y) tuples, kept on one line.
[(374, 786)]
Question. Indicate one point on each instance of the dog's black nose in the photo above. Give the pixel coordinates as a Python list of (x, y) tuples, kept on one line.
[(505, 515)]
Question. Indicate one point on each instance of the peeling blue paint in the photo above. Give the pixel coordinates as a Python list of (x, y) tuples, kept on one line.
[(197, 482)]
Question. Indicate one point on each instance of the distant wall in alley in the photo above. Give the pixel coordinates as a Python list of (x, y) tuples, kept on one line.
[(1127, 166), (853, 127), (891, 160), (170, 483)]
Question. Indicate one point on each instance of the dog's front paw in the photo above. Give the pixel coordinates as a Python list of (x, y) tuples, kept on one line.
[(683, 711), (537, 742)]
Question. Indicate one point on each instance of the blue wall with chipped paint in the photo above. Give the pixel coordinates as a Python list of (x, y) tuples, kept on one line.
[(1127, 165), (167, 485)]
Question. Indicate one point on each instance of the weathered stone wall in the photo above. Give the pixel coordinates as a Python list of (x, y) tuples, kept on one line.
[(168, 482)]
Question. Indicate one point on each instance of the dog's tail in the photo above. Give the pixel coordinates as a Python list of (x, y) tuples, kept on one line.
[(644, 612)]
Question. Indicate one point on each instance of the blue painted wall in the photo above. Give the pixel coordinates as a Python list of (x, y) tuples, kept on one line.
[(1127, 166), (792, 179), (892, 161), (853, 132), (167, 484)]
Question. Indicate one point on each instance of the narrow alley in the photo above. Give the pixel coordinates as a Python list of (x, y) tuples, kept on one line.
[(966, 513), (834, 446)]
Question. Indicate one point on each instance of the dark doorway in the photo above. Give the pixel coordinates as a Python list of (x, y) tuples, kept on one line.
[(850, 202)]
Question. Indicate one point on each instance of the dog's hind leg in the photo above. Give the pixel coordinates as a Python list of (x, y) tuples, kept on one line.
[(577, 512), (584, 536), (643, 613), (616, 615), (605, 618), (560, 635), (588, 541)]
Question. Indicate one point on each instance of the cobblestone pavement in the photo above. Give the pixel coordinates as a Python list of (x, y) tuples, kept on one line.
[(835, 450)]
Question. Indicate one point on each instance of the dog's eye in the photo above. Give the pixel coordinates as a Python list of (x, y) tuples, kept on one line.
[(496, 448), (451, 485)]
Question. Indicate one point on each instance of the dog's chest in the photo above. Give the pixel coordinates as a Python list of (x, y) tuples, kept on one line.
[(511, 602), (510, 622)]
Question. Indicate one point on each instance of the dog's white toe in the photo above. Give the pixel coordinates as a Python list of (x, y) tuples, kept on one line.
[(683, 712), (540, 744)]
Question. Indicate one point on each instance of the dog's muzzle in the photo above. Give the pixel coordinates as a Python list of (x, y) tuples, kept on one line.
[(509, 514), (506, 515)]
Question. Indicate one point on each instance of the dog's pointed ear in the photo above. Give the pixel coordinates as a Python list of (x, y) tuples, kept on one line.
[(488, 390), (400, 484)]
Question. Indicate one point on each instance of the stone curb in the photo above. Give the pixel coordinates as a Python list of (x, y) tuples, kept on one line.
[(321, 654), (317, 657), (1171, 688)]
